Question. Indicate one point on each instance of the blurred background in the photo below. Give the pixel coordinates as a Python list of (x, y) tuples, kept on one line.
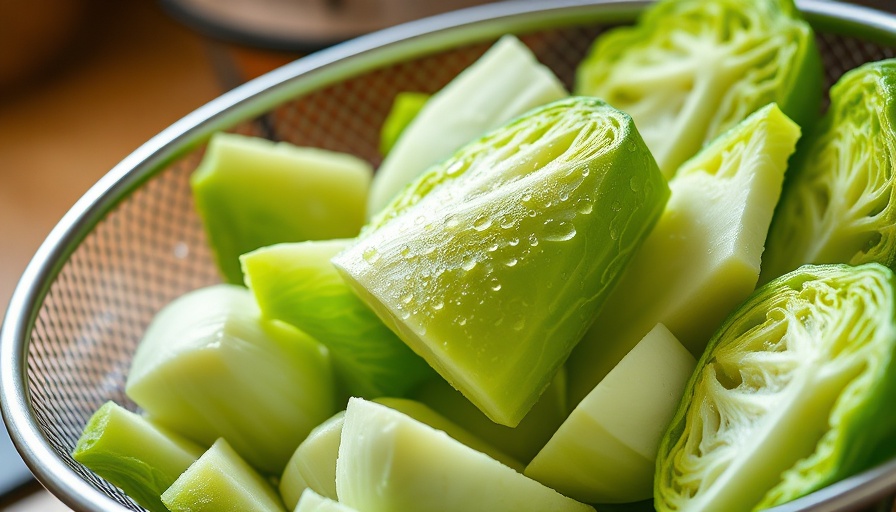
[(85, 82)]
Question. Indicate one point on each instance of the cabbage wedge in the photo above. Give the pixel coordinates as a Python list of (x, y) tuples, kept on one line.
[(296, 283), (492, 265), (390, 462), (313, 502), (692, 69), (221, 481), (251, 192), (793, 393), (504, 83), (605, 451), (703, 257), (210, 366), (839, 204), (405, 108), (136, 455)]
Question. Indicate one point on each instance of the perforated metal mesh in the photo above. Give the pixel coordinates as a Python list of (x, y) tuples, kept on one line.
[(152, 248)]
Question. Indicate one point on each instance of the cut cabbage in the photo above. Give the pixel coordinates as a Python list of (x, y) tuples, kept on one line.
[(793, 393), (692, 69), (251, 192), (389, 462), (492, 265), (505, 82), (313, 502), (703, 257), (296, 283), (313, 465), (221, 481), (209, 366), (838, 205), (605, 452), (137, 456), (405, 108)]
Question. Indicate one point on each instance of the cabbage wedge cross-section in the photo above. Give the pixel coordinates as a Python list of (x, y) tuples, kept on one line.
[(493, 264), (793, 393), (839, 205), (692, 69)]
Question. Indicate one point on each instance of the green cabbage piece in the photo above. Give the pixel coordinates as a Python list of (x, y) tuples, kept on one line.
[(391, 462), (141, 458), (313, 502), (210, 366), (313, 465), (793, 393), (221, 481), (703, 257), (691, 69), (504, 83), (838, 203), (405, 108), (492, 265), (251, 192), (297, 284), (605, 451)]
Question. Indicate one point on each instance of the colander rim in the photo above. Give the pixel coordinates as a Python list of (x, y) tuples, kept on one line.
[(413, 39)]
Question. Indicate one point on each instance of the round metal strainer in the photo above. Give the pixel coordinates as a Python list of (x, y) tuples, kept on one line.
[(134, 242)]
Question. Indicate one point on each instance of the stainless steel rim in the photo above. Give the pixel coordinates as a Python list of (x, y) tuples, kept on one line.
[(305, 75)]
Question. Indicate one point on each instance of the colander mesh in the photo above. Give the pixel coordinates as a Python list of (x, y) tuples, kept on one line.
[(152, 248)]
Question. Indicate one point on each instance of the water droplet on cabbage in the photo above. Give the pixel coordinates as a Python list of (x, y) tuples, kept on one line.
[(558, 231)]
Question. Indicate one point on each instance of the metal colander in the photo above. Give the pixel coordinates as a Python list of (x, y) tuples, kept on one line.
[(134, 241)]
